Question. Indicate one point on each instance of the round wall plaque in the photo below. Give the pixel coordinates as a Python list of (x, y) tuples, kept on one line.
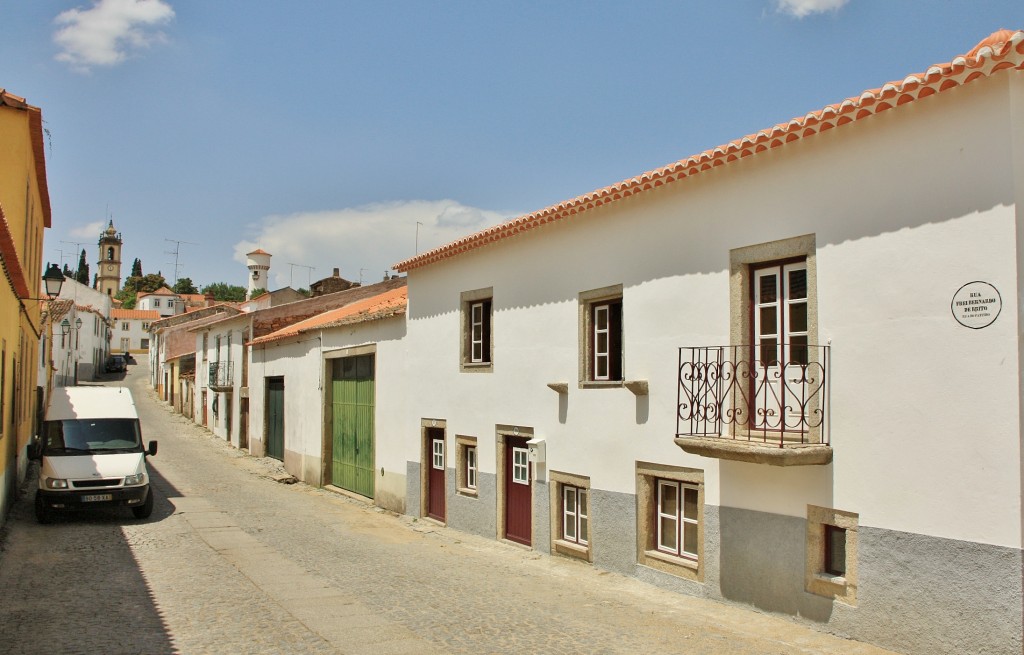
[(976, 305)]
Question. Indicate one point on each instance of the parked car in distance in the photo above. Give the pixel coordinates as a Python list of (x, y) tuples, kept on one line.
[(116, 364)]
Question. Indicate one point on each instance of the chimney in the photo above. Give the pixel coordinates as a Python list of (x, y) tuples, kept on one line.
[(210, 300), (337, 272)]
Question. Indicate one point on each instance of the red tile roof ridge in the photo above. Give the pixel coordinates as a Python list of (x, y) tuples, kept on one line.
[(382, 305), (134, 313), (10, 262), (999, 51)]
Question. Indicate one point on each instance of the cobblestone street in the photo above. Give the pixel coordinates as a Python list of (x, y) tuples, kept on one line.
[(232, 561)]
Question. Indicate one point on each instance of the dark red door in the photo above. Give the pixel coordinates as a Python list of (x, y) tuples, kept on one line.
[(435, 475), (518, 499)]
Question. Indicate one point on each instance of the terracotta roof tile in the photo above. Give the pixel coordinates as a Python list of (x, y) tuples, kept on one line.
[(127, 314), (10, 262), (383, 305), (1002, 50)]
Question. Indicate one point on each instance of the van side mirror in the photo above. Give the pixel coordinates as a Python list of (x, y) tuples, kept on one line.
[(151, 451), (35, 449)]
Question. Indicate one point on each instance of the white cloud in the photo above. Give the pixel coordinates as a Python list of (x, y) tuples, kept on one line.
[(106, 33), (371, 238), (89, 231), (803, 8)]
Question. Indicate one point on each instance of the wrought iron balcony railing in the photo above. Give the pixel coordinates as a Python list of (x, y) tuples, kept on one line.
[(754, 394), (221, 374)]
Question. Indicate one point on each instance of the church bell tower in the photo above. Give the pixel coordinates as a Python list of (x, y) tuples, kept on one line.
[(108, 275)]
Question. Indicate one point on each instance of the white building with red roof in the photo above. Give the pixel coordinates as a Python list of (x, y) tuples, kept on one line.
[(785, 372), (163, 301), (131, 329)]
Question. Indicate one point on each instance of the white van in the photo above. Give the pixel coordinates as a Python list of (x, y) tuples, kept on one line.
[(91, 453)]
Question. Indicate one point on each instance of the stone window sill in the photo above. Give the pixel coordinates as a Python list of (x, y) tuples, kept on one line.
[(570, 549), (469, 493)]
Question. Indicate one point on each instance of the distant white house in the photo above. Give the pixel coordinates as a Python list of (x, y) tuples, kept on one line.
[(80, 339), (131, 329), (163, 301)]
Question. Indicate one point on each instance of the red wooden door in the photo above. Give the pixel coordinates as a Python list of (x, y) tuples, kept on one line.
[(518, 499), (435, 475)]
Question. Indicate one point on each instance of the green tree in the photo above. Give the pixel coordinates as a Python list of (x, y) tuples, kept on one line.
[(137, 268), (152, 282), (127, 296), (225, 292), (184, 285), (82, 274)]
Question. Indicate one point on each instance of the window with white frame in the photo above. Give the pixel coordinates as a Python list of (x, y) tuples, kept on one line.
[(601, 342), (156, 302), (471, 467), (477, 332), (467, 465), (438, 454), (124, 326), (670, 519), (520, 465), (570, 515), (677, 519), (575, 526), (145, 326)]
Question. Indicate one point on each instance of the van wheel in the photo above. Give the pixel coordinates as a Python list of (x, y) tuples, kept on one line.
[(145, 509), (43, 515)]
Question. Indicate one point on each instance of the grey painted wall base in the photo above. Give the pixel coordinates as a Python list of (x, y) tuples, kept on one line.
[(916, 594), (474, 515), (412, 488)]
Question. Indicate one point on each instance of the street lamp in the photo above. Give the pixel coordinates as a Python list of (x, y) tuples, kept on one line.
[(53, 279)]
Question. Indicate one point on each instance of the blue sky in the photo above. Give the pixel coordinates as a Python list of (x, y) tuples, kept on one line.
[(323, 131)]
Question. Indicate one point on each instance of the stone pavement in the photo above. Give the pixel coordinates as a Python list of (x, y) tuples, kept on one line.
[(233, 562)]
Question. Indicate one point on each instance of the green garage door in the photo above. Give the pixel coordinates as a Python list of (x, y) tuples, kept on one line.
[(352, 393)]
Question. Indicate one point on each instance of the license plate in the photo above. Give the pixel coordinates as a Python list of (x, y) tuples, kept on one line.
[(97, 498)]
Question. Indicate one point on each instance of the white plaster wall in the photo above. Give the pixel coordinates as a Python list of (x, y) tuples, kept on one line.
[(229, 403), (300, 361), (906, 207)]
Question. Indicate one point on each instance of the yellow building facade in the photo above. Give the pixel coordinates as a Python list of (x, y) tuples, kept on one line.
[(24, 215)]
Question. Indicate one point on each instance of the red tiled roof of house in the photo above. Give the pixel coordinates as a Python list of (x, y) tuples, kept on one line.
[(1002, 50), (382, 305), (35, 124), (127, 314), (10, 262)]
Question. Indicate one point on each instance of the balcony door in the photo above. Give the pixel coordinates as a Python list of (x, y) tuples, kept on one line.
[(779, 354)]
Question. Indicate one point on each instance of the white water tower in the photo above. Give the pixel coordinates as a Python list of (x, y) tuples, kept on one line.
[(258, 262)]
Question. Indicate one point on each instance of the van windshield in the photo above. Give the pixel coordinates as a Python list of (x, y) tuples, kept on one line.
[(76, 436)]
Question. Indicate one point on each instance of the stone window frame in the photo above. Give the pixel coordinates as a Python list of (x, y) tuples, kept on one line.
[(743, 264), (559, 479), (647, 476), (587, 300), (466, 301), (816, 579), (462, 446)]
